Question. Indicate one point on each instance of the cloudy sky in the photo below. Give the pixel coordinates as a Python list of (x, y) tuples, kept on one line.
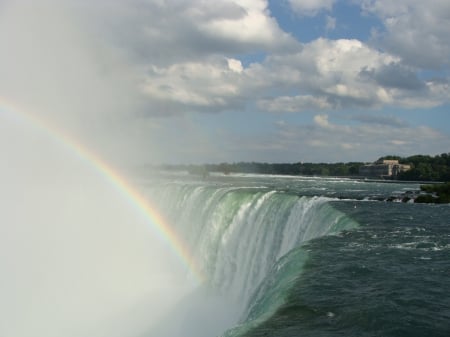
[(234, 80)]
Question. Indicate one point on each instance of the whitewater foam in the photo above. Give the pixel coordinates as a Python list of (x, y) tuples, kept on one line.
[(245, 239)]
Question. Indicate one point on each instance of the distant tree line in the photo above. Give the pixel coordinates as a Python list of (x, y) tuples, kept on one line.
[(311, 169), (423, 168)]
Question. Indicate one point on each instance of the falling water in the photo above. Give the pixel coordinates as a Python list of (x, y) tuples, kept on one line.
[(243, 238)]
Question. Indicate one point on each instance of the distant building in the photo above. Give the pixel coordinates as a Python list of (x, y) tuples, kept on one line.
[(383, 169)]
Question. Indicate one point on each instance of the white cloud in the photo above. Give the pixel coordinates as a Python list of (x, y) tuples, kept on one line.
[(415, 30), (187, 60), (338, 74), (324, 74), (344, 73), (197, 85), (235, 65), (168, 32), (311, 7), (118, 60), (253, 25), (322, 121)]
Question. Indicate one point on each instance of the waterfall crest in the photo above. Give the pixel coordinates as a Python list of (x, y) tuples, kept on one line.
[(241, 236)]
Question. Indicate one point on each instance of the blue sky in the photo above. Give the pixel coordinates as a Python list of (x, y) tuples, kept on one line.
[(251, 80)]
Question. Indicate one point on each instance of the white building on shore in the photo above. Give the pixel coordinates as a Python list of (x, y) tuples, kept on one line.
[(383, 169)]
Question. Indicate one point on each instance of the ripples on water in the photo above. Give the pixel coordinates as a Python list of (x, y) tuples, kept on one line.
[(389, 277)]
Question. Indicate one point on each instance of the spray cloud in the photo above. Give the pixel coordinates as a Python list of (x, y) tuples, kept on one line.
[(75, 258)]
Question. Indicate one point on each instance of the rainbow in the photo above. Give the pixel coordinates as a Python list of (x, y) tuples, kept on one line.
[(119, 182)]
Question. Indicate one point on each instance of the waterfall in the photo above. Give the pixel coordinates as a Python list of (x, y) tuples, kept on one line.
[(239, 234)]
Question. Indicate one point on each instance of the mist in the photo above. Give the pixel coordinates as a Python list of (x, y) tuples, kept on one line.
[(76, 259), (58, 67)]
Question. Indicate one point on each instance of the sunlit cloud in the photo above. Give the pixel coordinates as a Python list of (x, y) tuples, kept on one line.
[(153, 60)]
